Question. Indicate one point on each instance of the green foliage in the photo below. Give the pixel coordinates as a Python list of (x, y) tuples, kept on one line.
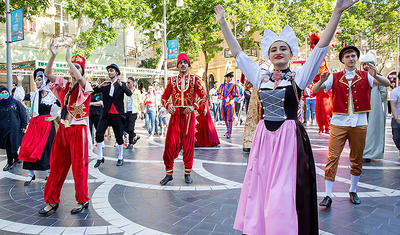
[(31, 7), (150, 63), (106, 16)]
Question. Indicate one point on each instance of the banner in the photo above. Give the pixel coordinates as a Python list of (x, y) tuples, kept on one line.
[(173, 49), (17, 25)]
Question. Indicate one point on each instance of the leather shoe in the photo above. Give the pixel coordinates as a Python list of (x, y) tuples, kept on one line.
[(44, 212), (354, 198), (327, 202), (8, 167), (80, 208), (120, 162), (99, 162), (28, 182), (246, 150), (188, 179), (130, 146), (166, 179), (135, 140)]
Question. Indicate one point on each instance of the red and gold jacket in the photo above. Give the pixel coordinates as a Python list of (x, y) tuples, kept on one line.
[(183, 92), (78, 112), (360, 93)]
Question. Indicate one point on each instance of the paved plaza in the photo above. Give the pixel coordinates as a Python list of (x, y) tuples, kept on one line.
[(129, 199)]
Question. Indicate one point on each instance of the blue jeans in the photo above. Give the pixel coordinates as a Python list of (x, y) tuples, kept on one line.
[(216, 112), (151, 119), (310, 106)]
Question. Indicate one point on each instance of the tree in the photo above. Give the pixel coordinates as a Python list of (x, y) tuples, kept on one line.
[(194, 25), (105, 17), (31, 7)]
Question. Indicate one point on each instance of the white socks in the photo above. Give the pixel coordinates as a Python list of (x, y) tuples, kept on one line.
[(120, 151), (354, 182), (328, 187), (100, 150)]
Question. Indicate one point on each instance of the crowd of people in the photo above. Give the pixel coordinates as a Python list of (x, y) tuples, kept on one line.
[(69, 117)]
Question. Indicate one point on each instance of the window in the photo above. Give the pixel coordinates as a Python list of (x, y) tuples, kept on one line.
[(61, 20)]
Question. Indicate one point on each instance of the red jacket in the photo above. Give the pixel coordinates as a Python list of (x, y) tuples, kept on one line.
[(183, 92), (360, 93)]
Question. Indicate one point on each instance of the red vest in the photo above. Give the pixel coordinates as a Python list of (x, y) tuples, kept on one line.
[(77, 112), (360, 93)]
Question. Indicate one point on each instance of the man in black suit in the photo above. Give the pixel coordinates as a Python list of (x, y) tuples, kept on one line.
[(113, 112)]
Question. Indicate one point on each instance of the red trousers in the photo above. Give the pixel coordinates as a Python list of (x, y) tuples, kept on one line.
[(323, 110), (70, 146), (180, 135)]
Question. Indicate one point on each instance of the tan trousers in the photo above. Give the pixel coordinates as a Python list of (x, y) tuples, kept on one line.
[(337, 140)]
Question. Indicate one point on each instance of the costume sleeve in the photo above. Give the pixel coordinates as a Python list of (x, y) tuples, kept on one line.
[(307, 73), (22, 114), (19, 93), (83, 93), (126, 89), (200, 93), (328, 83), (167, 93), (371, 80), (249, 68)]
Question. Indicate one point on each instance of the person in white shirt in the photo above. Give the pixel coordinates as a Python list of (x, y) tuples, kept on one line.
[(351, 91), (215, 104)]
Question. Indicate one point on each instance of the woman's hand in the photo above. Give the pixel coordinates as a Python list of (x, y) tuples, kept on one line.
[(219, 13), (343, 5), (53, 48), (324, 76)]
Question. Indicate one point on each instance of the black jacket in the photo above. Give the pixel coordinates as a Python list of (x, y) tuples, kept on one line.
[(12, 121), (117, 99)]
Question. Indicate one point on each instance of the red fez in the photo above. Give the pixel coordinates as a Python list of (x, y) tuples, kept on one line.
[(79, 60), (182, 56)]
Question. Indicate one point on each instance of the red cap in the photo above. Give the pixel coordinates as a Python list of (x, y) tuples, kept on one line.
[(182, 56), (79, 60)]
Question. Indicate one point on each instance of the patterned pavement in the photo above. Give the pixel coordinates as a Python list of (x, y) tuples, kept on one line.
[(129, 199)]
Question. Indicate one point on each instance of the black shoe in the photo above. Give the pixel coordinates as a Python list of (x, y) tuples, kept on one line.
[(367, 160), (120, 162), (8, 167), (135, 140), (354, 198), (99, 162), (80, 208), (327, 202), (28, 182), (188, 179), (166, 179), (130, 146), (44, 212), (246, 150)]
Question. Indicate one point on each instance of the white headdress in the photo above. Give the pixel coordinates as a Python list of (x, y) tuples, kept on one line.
[(368, 58), (287, 35)]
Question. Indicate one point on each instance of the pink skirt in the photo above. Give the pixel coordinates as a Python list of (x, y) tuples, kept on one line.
[(267, 202)]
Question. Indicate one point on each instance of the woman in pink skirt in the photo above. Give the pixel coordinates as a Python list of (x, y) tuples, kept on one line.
[(279, 193)]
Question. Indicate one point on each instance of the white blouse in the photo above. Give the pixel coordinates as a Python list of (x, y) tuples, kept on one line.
[(304, 74)]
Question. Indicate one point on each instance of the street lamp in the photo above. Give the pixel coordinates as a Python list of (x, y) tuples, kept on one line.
[(247, 29), (157, 35)]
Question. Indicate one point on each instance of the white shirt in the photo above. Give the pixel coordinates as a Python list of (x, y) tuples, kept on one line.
[(304, 74), (214, 95), (395, 96), (353, 119)]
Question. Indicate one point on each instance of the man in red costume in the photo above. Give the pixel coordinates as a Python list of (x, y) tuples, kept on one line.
[(187, 94), (323, 106), (70, 146), (351, 103)]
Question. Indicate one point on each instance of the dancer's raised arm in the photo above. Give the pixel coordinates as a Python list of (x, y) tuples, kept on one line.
[(230, 39), (327, 35)]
